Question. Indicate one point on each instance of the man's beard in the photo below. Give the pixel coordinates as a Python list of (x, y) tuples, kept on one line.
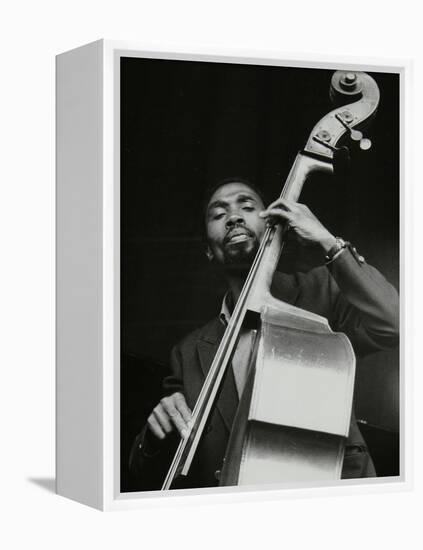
[(239, 257)]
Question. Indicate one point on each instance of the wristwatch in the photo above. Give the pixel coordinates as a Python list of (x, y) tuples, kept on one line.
[(336, 249)]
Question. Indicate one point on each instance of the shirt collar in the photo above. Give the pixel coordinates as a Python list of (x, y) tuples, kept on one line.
[(225, 314)]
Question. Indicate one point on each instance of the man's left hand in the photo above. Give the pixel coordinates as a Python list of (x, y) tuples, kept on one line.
[(298, 217)]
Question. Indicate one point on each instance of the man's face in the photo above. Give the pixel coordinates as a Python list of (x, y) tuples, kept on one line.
[(234, 228)]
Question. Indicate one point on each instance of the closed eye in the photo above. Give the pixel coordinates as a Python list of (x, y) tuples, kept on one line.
[(218, 216)]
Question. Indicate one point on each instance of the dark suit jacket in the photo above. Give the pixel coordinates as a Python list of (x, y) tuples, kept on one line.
[(356, 300)]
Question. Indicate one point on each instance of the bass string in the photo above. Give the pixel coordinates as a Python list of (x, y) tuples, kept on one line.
[(224, 351), (238, 310), (236, 316), (218, 365)]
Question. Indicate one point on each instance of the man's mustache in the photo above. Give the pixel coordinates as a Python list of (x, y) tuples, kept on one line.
[(238, 230)]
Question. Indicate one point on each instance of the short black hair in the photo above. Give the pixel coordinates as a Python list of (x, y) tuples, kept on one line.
[(211, 189)]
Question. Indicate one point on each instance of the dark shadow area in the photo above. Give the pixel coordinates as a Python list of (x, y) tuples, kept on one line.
[(141, 379), (384, 447), (46, 483)]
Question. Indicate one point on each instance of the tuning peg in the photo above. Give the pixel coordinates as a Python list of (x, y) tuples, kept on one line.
[(355, 135), (346, 118), (323, 137), (365, 144)]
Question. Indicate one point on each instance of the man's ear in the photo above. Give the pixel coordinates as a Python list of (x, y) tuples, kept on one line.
[(209, 253)]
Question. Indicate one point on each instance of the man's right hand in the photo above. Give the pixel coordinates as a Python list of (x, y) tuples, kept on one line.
[(171, 412)]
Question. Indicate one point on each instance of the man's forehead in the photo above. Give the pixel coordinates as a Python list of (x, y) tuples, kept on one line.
[(232, 190)]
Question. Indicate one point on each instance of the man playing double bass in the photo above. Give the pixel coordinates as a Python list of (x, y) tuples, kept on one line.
[(354, 297)]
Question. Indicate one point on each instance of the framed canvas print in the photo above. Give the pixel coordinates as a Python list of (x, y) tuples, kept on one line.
[(228, 269)]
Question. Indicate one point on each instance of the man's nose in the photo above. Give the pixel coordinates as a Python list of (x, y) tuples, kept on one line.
[(235, 218)]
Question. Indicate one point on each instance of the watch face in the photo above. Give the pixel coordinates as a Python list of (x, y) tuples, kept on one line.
[(339, 245)]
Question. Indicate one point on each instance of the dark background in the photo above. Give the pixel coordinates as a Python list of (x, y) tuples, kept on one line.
[(183, 126)]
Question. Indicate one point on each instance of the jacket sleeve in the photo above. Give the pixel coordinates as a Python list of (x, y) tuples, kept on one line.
[(150, 458), (364, 305), (174, 382)]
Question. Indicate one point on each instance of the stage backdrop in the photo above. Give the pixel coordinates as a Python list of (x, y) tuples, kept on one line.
[(186, 124)]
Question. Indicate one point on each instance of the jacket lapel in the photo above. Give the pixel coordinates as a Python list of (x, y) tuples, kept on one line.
[(207, 346), (285, 287)]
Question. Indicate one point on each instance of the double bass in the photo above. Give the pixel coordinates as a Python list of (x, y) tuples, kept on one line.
[(294, 413)]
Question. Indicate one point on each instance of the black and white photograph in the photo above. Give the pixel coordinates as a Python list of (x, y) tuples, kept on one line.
[(259, 275), (211, 225)]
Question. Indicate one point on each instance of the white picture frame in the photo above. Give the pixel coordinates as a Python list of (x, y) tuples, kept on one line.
[(88, 277)]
